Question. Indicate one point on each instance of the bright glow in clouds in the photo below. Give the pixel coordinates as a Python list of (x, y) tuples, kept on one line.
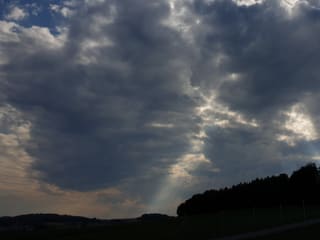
[(162, 125), (180, 175), (181, 19), (214, 113), (247, 2), (287, 3), (299, 126), (187, 163), (291, 3)]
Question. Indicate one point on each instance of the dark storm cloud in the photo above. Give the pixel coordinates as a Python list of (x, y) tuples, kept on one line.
[(125, 114), (115, 102), (244, 153), (275, 56)]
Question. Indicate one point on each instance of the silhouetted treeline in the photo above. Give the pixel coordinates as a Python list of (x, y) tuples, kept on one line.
[(301, 188)]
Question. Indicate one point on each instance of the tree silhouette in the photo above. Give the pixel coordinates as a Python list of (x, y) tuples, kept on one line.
[(302, 187)]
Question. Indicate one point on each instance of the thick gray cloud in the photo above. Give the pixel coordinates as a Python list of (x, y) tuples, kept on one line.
[(115, 97), (245, 153), (114, 111), (274, 55)]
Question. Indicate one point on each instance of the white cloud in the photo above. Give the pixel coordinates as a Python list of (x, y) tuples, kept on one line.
[(55, 7), (299, 126), (17, 14), (247, 2), (40, 36), (8, 32), (214, 113), (65, 11), (290, 2)]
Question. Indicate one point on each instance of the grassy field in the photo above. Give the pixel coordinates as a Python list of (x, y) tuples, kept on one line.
[(196, 227)]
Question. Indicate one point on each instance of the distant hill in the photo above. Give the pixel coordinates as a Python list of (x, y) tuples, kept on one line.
[(40, 218), (301, 188), (155, 217), (36, 221), (39, 221)]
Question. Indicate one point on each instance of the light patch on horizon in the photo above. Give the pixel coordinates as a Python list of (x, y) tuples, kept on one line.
[(18, 181), (299, 124), (41, 197)]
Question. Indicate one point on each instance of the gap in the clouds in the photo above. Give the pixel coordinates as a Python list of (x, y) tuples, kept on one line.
[(179, 179), (37, 13), (182, 177)]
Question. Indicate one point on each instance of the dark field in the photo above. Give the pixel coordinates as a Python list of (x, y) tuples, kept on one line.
[(193, 227), (307, 233)]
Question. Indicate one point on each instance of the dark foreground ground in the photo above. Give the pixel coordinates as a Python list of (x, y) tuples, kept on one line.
[(311, 232), (195, 227)]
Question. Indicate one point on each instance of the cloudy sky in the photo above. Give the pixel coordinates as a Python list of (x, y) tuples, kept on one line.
[(115, 108)]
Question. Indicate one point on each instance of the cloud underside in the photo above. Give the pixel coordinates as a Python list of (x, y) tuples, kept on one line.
[(137, 93)]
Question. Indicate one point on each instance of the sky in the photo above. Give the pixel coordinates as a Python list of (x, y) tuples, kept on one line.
[(112, 109)]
